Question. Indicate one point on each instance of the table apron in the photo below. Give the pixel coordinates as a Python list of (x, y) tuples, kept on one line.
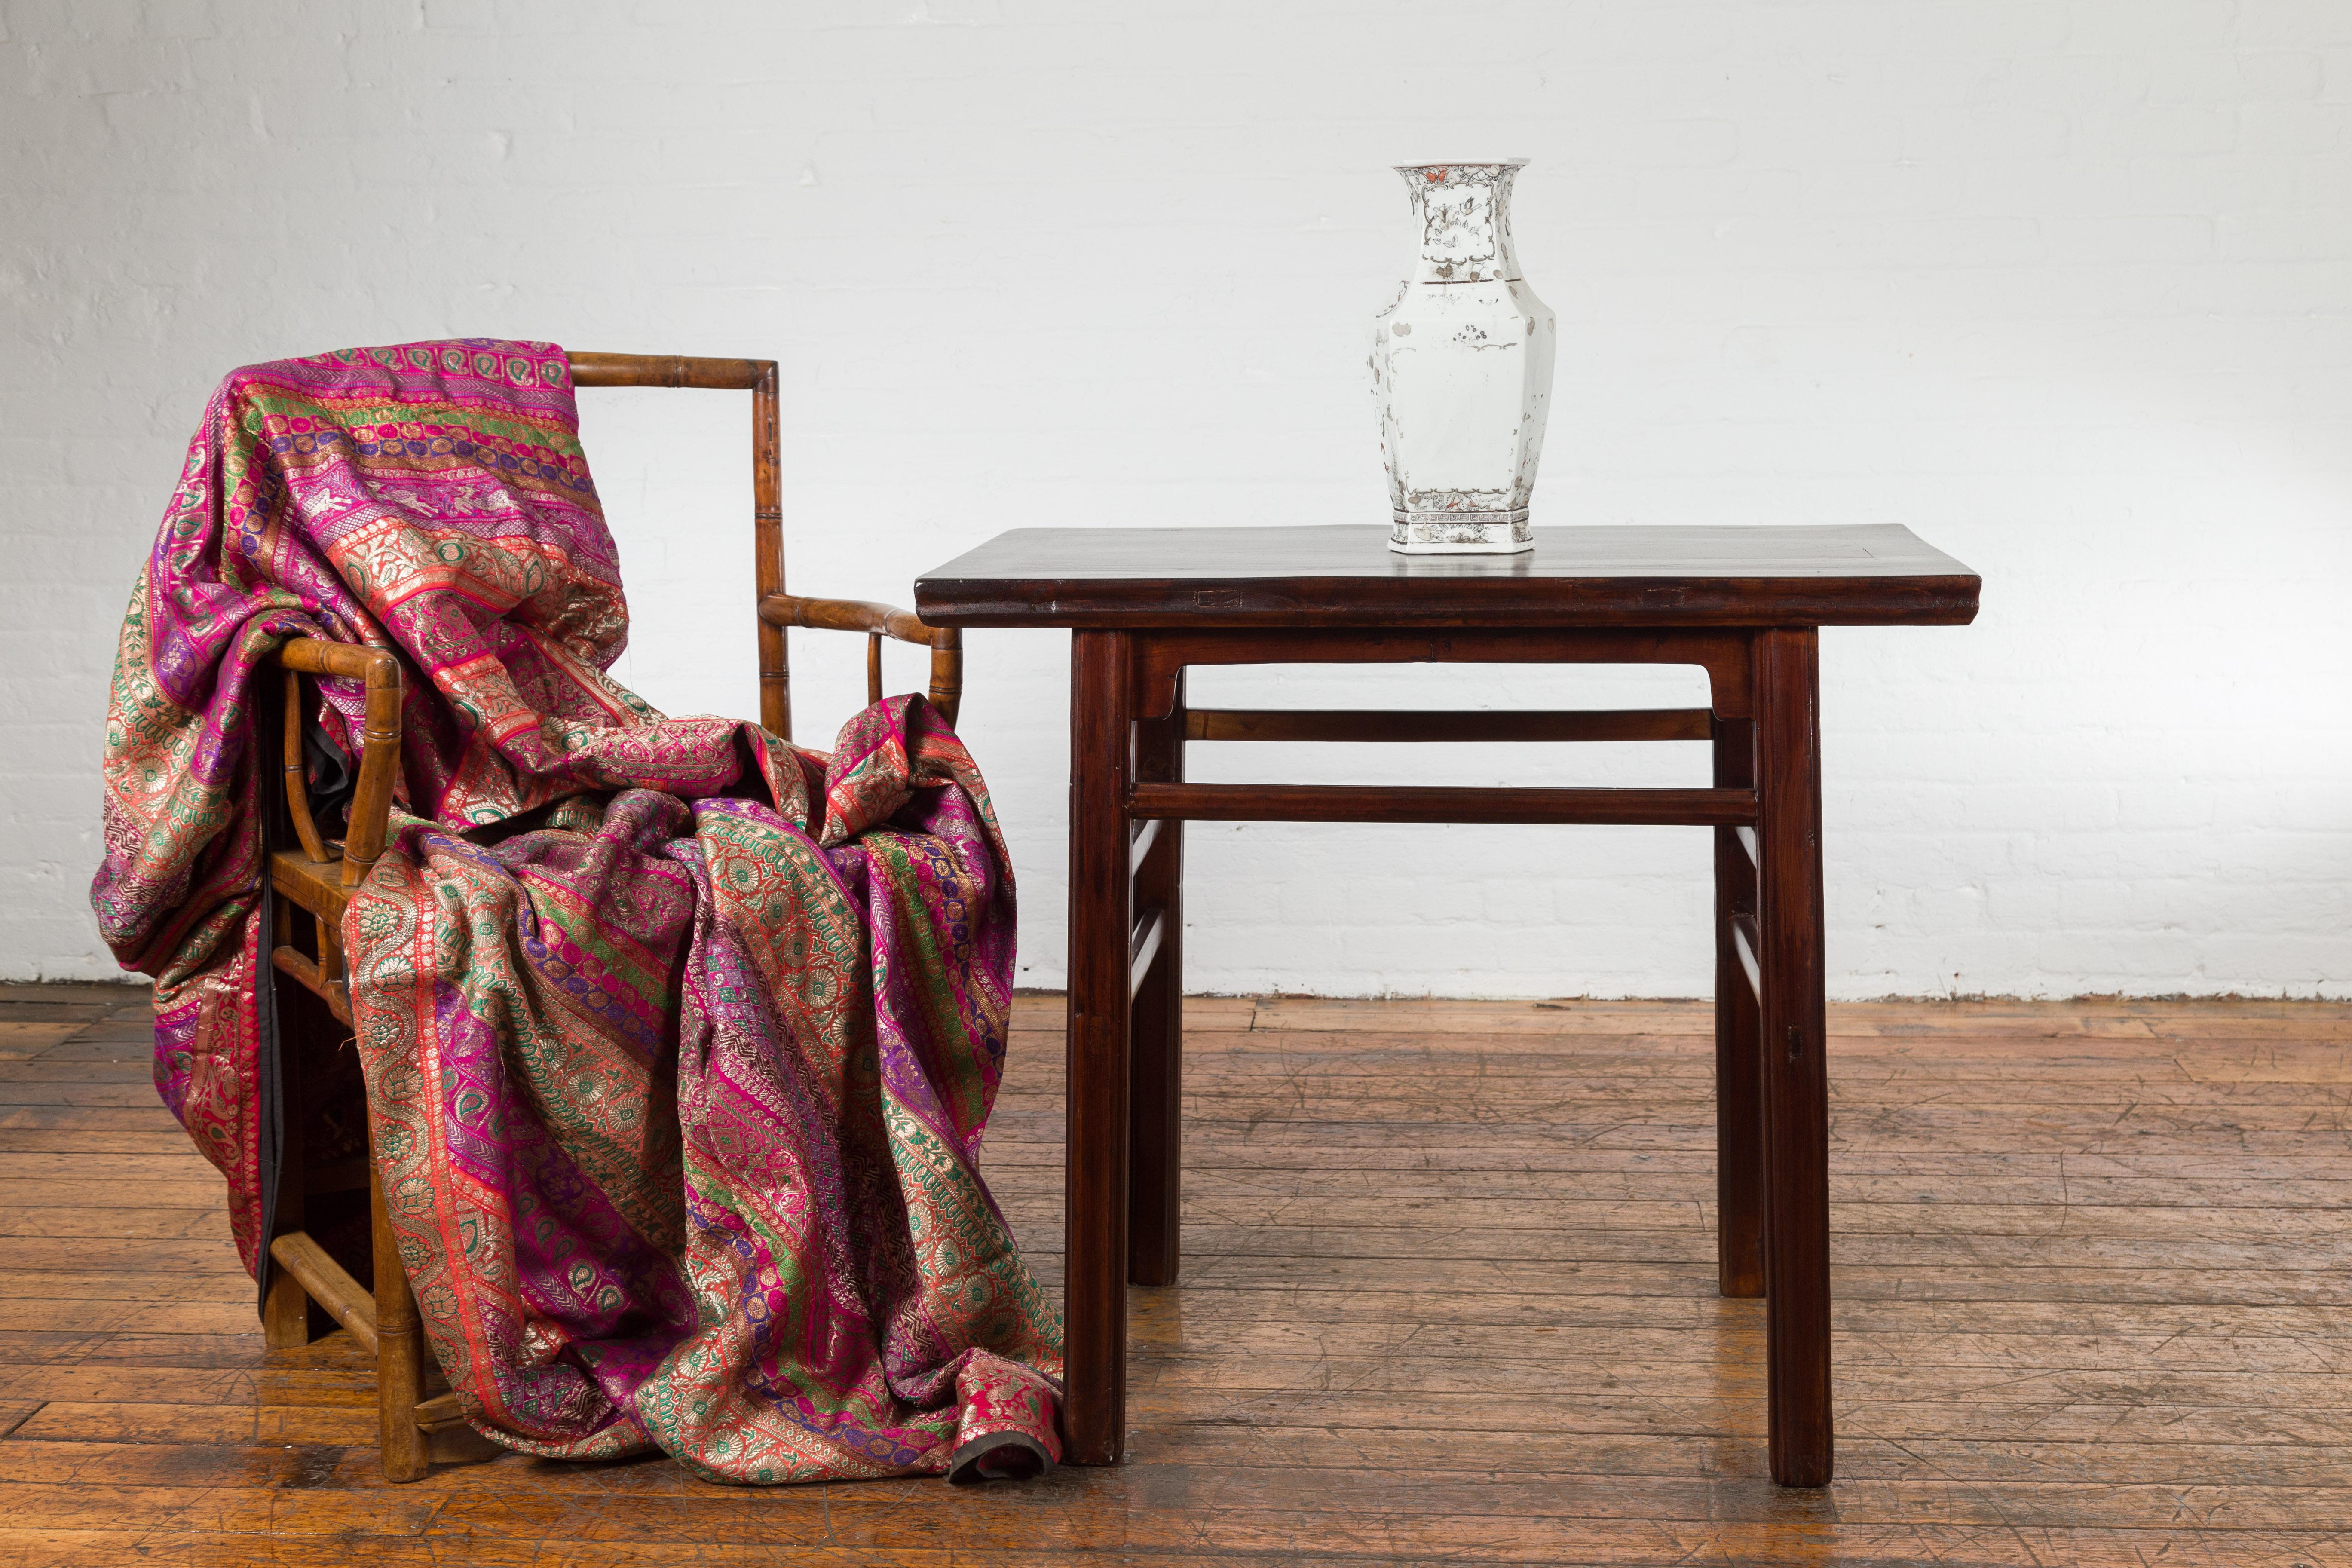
[(1726, 653)]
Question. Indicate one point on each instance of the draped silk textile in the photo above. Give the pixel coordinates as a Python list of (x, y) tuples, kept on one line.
[(679, 1042)]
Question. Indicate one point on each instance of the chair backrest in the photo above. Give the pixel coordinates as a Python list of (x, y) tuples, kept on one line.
[(775, 609), (757, 376)]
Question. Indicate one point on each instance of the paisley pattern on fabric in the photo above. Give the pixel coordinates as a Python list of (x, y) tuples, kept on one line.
[(676, 1087)]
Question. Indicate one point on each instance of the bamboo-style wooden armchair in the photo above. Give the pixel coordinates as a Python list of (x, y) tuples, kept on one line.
[(322, 1239)]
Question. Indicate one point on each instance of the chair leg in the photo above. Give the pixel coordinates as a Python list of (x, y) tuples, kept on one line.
[(400, 1350), (1155, 1031), (286, 1314)]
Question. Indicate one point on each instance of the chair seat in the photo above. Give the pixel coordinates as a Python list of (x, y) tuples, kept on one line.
[(316, 886)]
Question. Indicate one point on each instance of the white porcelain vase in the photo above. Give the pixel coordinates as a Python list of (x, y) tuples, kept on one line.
[(1461, 371)]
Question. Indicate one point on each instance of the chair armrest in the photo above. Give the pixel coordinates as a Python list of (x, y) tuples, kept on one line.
[(371, 811), (847, 616), (880, 621)]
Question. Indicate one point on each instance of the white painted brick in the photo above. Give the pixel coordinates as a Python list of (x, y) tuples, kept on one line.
[(2062, 286), (2335, 73), (2294, 128)]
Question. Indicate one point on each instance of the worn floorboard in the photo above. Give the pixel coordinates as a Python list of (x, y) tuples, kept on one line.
[(1449, 1297)]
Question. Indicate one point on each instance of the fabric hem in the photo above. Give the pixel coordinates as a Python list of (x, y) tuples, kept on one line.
[(998, 1456)]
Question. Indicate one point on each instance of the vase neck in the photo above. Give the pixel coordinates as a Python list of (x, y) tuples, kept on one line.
[(1466, 220)]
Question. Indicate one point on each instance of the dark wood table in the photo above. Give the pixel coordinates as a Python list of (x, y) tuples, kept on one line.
[(1745, 603)]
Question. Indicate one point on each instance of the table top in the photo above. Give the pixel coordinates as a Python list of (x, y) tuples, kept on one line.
[(1346, 576)]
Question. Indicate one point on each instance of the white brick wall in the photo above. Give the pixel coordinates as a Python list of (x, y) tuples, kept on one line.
[(2066, 285)]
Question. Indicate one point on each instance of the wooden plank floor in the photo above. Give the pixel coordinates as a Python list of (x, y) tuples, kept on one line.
[(1449, 1297)]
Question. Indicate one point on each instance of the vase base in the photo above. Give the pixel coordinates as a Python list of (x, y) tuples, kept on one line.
[(1461, 534)]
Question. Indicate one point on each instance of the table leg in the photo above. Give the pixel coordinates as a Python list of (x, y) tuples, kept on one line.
[(1795, 1071), (1738, 1088), (1155, 1120), (1094, 1291)]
